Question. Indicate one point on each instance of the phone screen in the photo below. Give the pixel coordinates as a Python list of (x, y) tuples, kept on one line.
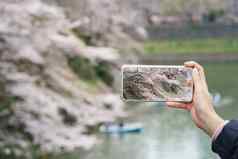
[(157, 83)]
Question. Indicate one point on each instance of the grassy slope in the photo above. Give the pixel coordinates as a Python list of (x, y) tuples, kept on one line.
[(191, 46)]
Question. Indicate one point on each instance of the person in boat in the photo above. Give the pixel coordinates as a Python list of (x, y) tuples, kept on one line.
[(224, 134), (121, 124)]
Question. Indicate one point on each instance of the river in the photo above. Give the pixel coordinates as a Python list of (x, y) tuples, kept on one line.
[(169, 133)]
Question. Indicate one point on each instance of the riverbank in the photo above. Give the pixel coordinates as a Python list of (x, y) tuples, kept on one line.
[(223, 45), (203, 50), (174, 58)]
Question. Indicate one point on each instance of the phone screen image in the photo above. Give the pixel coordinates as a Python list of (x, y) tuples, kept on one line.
[(157, 83)]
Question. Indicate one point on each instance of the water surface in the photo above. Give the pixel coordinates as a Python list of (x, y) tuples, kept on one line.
[(169, 133)]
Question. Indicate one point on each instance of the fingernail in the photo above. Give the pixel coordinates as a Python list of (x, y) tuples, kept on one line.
[(195, 71)]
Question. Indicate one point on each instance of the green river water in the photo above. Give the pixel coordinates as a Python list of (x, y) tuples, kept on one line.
[(170, 134)]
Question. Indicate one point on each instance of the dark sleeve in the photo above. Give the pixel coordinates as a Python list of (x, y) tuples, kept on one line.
[(226, 144)]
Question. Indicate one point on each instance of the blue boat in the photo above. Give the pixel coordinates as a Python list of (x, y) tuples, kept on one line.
[(121, 128)]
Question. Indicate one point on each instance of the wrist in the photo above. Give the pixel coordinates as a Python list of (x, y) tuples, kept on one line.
[(212, 123)]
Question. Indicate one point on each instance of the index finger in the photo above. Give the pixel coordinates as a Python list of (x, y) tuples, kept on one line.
[(177, 105), (200, 69), (194, 64)]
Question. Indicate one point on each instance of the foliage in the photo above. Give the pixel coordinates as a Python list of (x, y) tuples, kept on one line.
[(91, 72), (190, 46), (185, 7), (102, 71), (6, 100), (15, 152), (83, 68), (87, 38), (212, 15)]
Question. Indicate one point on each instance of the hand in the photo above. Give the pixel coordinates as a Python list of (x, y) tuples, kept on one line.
[(201, 108)]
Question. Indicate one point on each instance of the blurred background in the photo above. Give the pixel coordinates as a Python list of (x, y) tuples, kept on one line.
[(60, 77)]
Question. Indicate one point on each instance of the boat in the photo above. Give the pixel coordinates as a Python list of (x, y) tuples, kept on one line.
[(121, 128)]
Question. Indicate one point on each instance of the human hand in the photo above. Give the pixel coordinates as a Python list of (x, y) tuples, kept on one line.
[(201, 108)]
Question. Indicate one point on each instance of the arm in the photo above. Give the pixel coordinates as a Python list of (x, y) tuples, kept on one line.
[(226, 142), (205, 117)]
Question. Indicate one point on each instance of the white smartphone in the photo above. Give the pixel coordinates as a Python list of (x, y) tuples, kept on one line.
[(157, 83)]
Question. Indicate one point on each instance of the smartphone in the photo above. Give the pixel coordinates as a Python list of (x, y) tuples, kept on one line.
[(157, 83)]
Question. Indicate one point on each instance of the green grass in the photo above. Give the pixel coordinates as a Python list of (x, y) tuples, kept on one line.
[(191, 46)]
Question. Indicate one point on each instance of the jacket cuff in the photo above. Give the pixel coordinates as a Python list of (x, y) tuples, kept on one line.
[(218, 130), (225, 142)]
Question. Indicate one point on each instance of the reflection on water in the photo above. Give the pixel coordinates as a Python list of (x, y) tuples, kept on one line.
[(168, 133)]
